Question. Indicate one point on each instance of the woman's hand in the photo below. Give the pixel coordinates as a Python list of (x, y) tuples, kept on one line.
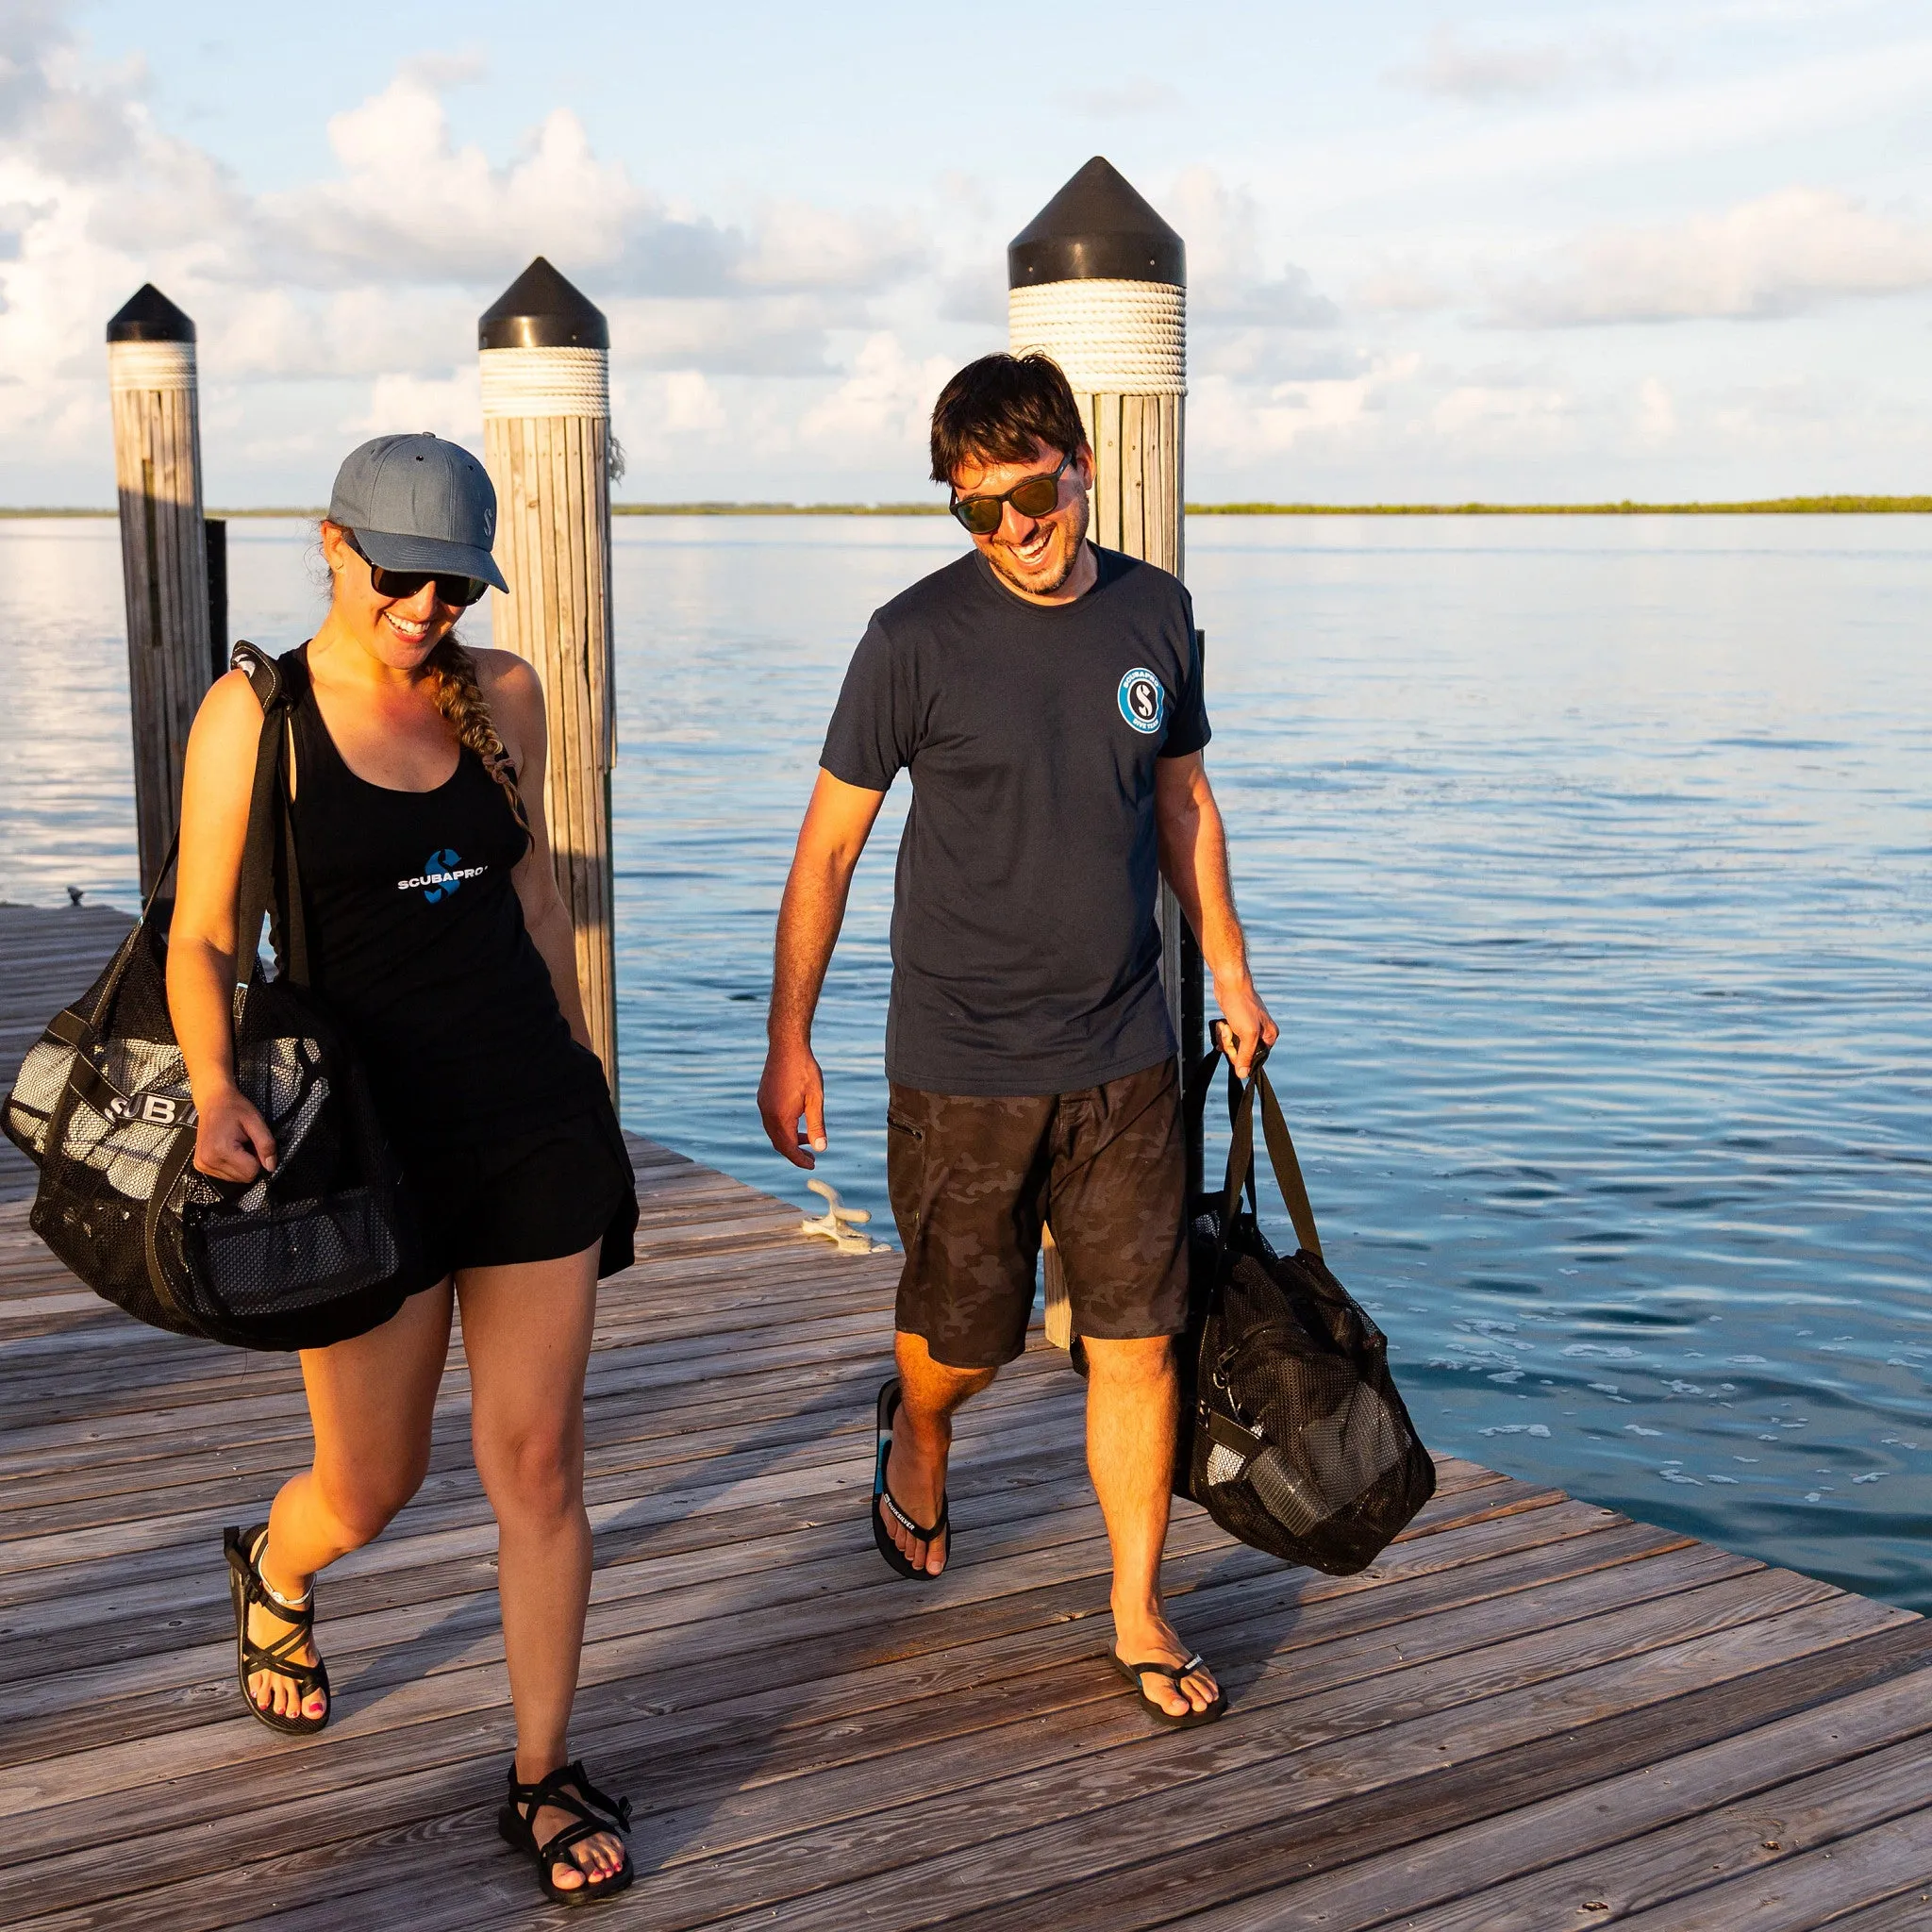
[(231, 1139)]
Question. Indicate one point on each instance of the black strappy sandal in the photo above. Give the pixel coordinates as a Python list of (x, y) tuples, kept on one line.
[(895, 1558), (242, 1548), (569, 1789), (1174, 1674)]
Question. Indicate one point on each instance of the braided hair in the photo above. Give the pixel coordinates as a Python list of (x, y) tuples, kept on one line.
[(459, 698)]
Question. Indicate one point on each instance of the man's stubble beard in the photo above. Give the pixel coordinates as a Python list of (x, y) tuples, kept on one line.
[(996, 553)]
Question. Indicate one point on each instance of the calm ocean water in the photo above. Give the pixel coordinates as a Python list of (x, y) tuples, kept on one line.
[(1588, 865)]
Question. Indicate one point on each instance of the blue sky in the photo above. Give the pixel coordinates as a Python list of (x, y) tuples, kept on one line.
[(1434, 252)]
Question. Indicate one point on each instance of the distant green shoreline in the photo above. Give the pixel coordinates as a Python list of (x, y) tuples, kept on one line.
[(1770, 505)]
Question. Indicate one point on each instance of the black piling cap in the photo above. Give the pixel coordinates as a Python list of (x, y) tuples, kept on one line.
[(1096, 227), (150, 316), (540, 310)]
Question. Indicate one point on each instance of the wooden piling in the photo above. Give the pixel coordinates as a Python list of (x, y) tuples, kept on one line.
[(547, 440), (1099, 282), (151, 371)]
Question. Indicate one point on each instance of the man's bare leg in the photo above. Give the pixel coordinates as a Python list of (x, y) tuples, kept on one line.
[(929, 1393), (1133, 1411)]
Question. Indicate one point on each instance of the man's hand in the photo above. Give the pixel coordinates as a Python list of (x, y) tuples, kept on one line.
[(793, 1087), (1244, 1023)]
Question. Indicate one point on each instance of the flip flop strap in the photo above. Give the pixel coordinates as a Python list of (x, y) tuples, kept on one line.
[(1173, 1673), (907, 1523)]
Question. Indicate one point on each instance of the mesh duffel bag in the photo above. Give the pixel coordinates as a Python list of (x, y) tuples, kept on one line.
[(1293, 1435), (315, 1253)]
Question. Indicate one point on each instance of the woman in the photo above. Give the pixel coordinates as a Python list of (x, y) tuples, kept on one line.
[(439, 943)]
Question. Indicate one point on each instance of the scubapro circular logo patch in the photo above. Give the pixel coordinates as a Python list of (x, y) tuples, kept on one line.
[(1144, 700)]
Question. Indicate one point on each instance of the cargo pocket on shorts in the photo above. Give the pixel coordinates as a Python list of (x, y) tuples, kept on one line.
[(904, 1169)]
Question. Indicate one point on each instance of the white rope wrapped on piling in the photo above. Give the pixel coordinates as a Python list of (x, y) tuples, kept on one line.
[(151, 365), (1116, 338), (546, 382)]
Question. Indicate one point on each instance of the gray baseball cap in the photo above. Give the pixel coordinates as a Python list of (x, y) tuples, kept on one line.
[(418, 503)]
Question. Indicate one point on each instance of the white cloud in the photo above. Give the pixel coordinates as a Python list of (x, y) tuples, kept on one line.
[(1227, 420), (1477, 411), (1400, 289), (1468, 70), (1785, 254), (1126, 100), (1226, 278), (799, 247), (376, 271), (1656, 413), (1460, 68), (884, 404), (449, 405)]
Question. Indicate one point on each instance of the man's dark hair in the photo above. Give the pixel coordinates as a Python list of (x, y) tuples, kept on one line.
[(996, 409)]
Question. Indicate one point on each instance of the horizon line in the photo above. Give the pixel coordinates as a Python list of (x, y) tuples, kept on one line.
[(1770, 505)]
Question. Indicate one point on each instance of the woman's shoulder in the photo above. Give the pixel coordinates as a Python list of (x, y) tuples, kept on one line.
[(514, 694), (231, 707), (503, 673)]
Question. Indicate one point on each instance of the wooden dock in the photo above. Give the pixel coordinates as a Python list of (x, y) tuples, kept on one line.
[(1531, 1713)]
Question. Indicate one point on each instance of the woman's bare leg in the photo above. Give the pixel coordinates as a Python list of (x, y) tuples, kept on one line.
[(369, 1402), (526, 1334)]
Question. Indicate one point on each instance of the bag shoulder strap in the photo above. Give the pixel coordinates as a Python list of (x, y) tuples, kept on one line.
[(270, 881), (264, 672)]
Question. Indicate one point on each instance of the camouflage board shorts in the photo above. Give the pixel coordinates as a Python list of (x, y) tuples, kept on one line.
[(974, 1176)]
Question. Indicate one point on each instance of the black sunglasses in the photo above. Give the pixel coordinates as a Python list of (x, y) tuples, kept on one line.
[(1036, 496), (457, 592)]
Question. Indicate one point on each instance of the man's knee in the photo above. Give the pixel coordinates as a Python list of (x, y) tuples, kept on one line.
[(926, 1382), (1143, 1359)]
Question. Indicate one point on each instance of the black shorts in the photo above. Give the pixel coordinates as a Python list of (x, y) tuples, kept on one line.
[(536, 1195), (973, 1178)]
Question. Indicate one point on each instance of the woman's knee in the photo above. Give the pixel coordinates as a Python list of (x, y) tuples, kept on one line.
[(535, 1469), (366, 1501)]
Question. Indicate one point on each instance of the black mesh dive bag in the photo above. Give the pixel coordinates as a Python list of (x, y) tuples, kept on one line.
[(1293, 1435), (310, 1255)]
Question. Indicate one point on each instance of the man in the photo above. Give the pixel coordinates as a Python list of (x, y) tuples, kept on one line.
[(1046, 697)]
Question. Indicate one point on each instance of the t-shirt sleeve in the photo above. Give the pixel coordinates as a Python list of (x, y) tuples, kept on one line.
[(1189, 731), (873, 729)]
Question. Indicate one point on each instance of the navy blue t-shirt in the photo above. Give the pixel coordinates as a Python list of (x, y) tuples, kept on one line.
[(1024, 951)]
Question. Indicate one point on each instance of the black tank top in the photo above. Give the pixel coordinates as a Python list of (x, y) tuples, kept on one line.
[(417, 944)]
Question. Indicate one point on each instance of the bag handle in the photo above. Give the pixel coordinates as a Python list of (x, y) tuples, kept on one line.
[(1281, 1158)]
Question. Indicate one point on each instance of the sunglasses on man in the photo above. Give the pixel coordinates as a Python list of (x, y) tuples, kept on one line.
[(457, 592), (1033, 496)]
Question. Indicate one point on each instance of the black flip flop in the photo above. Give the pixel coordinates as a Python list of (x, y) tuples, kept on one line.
[(895, 1558), (1174, 1674)]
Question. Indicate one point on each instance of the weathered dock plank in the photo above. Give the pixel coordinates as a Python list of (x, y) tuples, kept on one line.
[(1530, 1712)]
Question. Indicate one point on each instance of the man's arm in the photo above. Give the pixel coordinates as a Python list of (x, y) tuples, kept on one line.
[(1193, 860), (837, 823)]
